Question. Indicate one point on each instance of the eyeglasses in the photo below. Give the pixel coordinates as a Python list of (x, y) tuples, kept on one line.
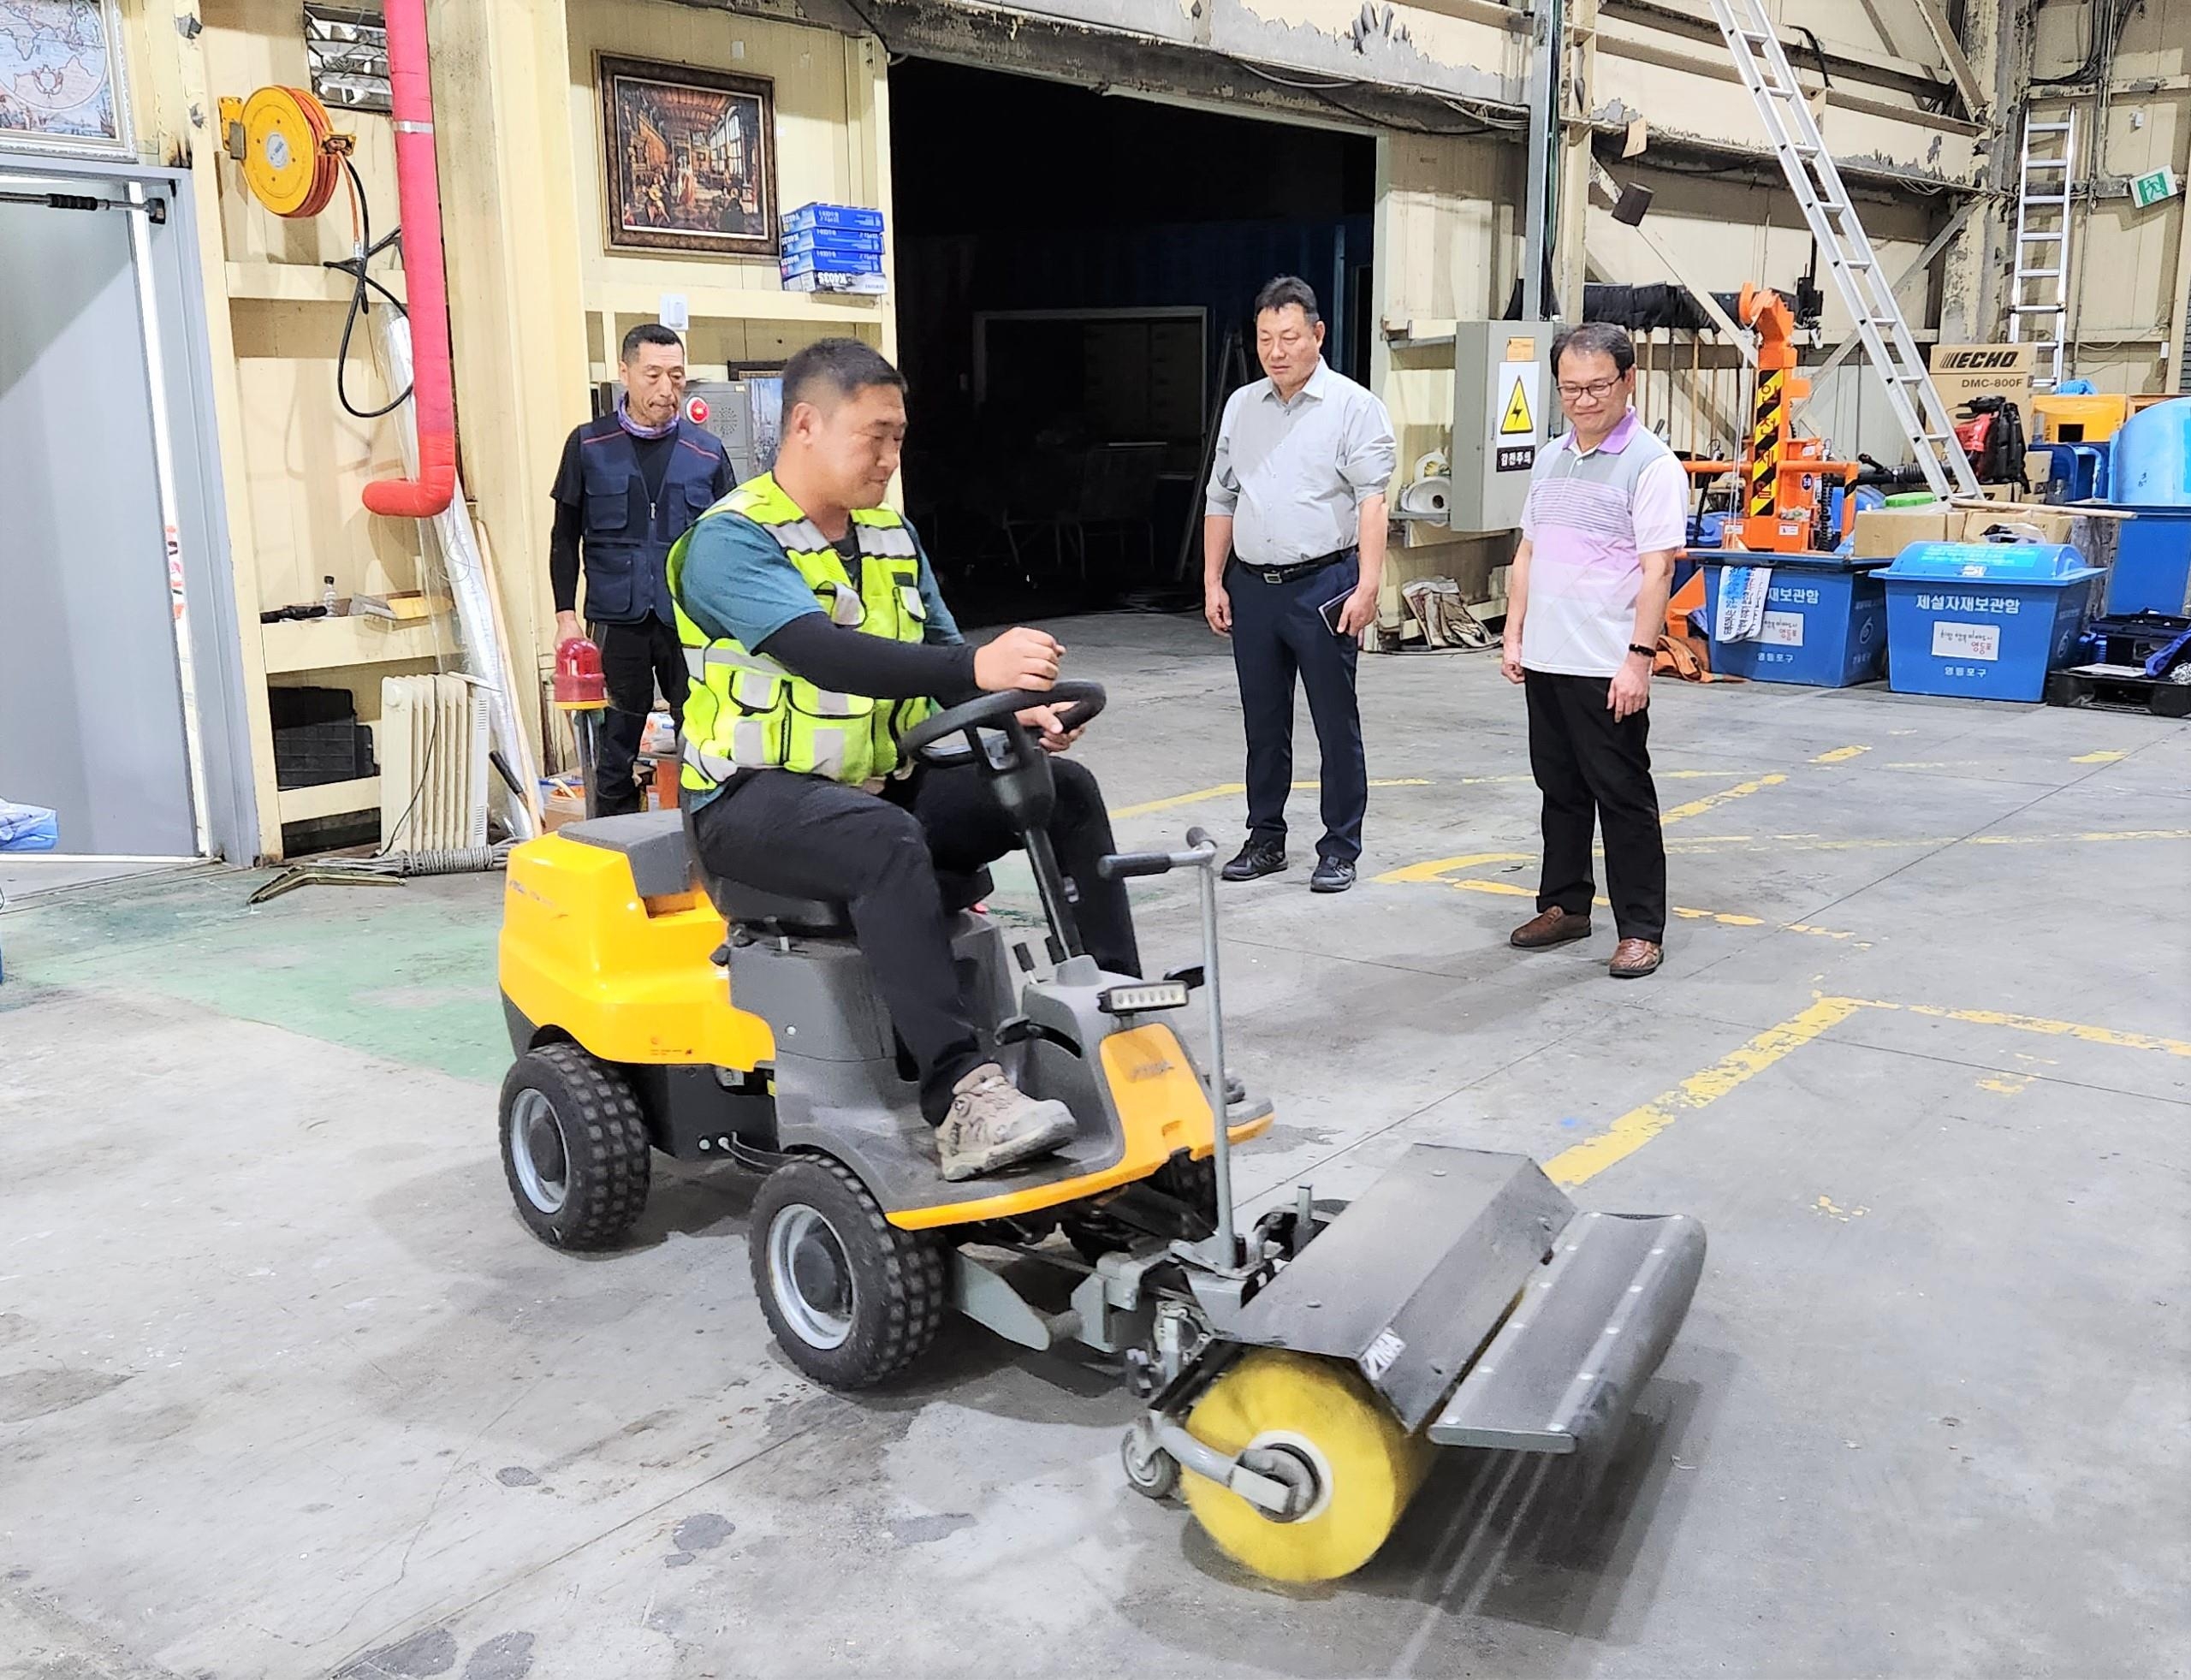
[(1596, 393)]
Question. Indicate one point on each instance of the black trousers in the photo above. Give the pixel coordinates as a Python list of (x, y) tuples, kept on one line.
[(635, 658), (1278, 634), (879, 853), (1595, 772)]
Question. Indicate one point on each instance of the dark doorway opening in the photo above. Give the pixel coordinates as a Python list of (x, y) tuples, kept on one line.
[(1075, 273)]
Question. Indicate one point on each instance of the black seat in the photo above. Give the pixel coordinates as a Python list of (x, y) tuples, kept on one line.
[(743, 905), (749, 906), (818, 918)]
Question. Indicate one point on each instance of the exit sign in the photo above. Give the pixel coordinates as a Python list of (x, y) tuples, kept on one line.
[(2147, 190)]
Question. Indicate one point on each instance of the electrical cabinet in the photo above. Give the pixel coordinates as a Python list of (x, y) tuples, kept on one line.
[(1504, 405)]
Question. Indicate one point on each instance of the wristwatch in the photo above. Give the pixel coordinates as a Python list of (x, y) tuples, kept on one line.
[(1649, 653)]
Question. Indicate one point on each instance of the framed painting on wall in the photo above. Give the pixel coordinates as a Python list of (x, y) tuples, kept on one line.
[(690, 158), (61, 76)]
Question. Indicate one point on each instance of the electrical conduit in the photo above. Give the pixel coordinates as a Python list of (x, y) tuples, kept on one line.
[(419, 189)]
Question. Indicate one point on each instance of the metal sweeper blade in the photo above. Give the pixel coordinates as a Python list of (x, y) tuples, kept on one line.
[(1474, 1299), (1462, 1301)]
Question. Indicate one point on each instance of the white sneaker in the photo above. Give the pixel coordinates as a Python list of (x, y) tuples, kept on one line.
[(993, 1123)]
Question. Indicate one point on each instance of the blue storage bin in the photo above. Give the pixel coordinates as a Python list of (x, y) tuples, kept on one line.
[(850, 219), (1825, 620), (832, 239), (1984, 620)]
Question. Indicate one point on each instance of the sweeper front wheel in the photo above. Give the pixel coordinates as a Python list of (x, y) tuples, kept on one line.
[(1324, 1421), (852, 1299)]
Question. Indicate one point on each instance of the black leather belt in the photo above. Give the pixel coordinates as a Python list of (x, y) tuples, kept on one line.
[(1287, 574)]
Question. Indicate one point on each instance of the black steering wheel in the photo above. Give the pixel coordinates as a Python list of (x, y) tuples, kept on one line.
[(1082, 701)]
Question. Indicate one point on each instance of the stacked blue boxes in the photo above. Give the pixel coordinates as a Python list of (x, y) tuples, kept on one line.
[(832, 248)]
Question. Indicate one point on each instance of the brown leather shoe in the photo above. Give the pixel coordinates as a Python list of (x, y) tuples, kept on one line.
[(1633, 959), (1549, 927)]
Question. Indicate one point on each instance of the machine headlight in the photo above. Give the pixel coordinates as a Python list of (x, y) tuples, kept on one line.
[(1144, 995)]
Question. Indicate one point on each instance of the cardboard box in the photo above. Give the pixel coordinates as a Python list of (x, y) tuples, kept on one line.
[(1961, 372), (562, 800), (2053, 526), (1881, 533)]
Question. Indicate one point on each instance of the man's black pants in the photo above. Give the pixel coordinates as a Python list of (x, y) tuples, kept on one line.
[(634, 658), (1278, 634), (1594, 770), (878, 854)]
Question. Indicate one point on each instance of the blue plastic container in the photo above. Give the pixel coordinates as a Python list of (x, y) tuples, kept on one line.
[(844, 241), (844, 218), (2153, 457), (2150, 476), (1825, 620), (2152, 562), (1984, 620)]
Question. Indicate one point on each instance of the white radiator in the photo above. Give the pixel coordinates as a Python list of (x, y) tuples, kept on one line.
[(433, 763)]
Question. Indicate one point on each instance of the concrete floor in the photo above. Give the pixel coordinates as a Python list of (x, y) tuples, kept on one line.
[(286, 1390)]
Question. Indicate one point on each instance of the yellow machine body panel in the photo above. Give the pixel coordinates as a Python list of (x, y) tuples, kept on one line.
[(628, 978), (1162, 1110)]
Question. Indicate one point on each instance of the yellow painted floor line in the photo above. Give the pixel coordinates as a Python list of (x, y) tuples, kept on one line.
[(1229, 789), (2097, 757), (1841, 755), (1638, 1126), (1225, 789), (2110, 1036), (1814, 843), (1178, 799), (1513, 889), (1437, 868), (1712, 801)]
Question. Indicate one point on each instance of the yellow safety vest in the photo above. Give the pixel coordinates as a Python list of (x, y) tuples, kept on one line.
[(745, 712)]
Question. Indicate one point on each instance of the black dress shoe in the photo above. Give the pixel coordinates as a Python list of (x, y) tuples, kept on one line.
[(1334, 874), (1256, 858)]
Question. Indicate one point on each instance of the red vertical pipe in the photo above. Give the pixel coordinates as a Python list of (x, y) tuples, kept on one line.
[(426, 287)]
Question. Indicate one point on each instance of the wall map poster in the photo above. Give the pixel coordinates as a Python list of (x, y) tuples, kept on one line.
[(60, 74)]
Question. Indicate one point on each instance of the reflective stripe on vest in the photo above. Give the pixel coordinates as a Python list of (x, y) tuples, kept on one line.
[(744, 711)]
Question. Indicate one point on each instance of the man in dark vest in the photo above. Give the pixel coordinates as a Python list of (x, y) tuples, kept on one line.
[(631, 482)]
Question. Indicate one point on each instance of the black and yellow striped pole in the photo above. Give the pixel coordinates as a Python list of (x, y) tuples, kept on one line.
[(1767, 416)]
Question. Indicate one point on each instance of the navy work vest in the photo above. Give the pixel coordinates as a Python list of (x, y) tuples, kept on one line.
[(628, 538)]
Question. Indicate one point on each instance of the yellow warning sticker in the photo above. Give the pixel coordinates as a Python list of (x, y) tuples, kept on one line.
[(1516, 422)]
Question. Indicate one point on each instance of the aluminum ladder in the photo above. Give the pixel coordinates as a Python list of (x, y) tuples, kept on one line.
[(2039, 294), (1865, 287)]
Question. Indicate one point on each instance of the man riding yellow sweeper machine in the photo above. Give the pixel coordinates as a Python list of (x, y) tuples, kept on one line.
[(1296, 1373)]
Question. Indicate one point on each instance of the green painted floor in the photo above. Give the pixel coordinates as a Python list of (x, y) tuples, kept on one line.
[(400, 972)]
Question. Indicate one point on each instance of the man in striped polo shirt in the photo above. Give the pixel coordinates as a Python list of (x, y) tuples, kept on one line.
[(1605, 520)]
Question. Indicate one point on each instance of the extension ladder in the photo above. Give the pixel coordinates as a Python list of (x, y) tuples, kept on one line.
[(2039, 295), (1864, 287)]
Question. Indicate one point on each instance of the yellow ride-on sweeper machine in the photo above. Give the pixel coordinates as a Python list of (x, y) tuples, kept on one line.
[(1296, 1375)]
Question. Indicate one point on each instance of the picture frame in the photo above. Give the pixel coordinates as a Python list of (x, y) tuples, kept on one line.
[(688, 159), (64, 86)]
